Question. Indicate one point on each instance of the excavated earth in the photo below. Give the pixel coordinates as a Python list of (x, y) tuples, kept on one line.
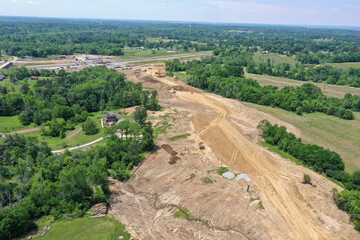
[(273, 205)]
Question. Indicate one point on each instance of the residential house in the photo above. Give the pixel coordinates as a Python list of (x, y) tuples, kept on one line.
[(110, 118), (33, 78)]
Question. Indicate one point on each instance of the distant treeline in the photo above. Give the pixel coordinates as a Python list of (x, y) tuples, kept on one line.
[(326, 74), (321, 160), (223, 79), (43, 37)]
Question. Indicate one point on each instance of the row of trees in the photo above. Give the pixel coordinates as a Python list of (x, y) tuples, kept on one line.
[(34, 182), (304, 99), (321, 57), (321, 160), (327, 74)]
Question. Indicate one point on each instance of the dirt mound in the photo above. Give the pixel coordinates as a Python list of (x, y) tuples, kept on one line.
[(174, 158), (99, 209), (148, 79), (169, 149)]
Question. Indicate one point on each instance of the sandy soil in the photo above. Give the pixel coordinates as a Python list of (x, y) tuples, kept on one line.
[(227, 129), (26, 131)]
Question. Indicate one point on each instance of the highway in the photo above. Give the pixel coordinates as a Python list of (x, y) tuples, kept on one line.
[(8, 64), (112, 63)]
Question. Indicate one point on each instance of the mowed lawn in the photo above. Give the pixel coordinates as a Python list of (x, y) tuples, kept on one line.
[(341, 136), (86, 229), (274, 58), (10, 124), (328, 89), (57, 143)]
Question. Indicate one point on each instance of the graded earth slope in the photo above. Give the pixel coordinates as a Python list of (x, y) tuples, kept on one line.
[(273, 205)]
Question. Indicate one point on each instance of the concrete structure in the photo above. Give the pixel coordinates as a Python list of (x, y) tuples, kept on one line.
[(89, 59)]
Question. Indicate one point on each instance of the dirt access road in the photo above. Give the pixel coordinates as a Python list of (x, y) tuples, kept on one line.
[(228, 131)]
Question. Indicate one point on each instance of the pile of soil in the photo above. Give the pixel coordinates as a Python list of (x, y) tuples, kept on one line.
[(174, 158)]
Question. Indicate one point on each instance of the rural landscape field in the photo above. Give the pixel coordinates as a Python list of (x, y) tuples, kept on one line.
[(230, 120)]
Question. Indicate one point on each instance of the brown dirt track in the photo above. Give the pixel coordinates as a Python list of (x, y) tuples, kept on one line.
[(228, 129)]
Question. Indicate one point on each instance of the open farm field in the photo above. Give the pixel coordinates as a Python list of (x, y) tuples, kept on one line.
[(274, 58), (147, 53), (345, 65), (328, 89)]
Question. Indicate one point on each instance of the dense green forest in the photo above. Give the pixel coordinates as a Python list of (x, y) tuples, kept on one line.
[(321, 160), (224, 78), (63, 99), (33, 181)]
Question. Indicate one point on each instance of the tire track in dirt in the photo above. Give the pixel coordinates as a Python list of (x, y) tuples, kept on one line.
[(279, 194), (74, 133)]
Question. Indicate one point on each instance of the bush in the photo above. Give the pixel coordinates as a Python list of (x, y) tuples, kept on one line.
[(307, 179), (90, 127), (222, 170)]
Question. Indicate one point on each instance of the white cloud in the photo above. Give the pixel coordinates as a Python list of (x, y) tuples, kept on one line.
[(163, 4), (31, 3), (335, 9), (15, 1)]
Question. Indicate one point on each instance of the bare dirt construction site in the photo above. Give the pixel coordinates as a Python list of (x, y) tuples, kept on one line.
[(180, 177)]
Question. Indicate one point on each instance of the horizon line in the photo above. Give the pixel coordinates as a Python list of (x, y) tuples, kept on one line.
[(342, 27)]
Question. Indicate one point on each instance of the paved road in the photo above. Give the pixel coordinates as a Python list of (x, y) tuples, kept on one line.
[(121, 62), (97, 140), (7, 64), (78, 147)]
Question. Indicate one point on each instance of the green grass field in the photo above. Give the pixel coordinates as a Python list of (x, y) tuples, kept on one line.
[(345, 65), (159, 40), (11, 87), (87, 229), (57, 143), (341, 136), (147, 53), (274, 58), (178, 137), (10, 124), (181, 76), (328, 89)]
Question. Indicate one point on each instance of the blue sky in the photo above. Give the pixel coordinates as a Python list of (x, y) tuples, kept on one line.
[(305, 12)]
